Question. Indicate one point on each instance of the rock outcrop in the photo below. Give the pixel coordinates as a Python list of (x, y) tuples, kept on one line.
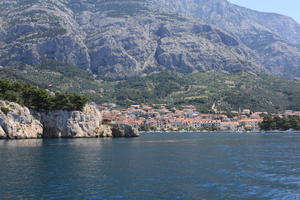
[(104, 131), (72, 124), (124, 130), (18, 122)]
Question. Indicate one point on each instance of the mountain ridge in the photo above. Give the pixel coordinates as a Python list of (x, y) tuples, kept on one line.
[(121, 39)]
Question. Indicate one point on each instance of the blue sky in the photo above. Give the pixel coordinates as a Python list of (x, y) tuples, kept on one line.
[(286, 7)]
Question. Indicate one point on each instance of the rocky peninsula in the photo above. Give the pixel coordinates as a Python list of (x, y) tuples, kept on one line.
[(20, 122)]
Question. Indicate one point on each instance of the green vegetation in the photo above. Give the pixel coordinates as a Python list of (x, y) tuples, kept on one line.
[(114, 8), (152, 89), (59, 77), (4, 110), (203, 89), (170, 17), (39, 99), (280, 123)]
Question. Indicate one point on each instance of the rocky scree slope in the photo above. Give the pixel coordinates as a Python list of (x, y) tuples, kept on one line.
[(119, 39), (275, 38)]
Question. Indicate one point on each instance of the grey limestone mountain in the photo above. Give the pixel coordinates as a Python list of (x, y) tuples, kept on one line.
[(115, 39), (275, 38)]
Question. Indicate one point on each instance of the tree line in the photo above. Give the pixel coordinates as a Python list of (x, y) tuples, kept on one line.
[(280, 123), (40, 99)]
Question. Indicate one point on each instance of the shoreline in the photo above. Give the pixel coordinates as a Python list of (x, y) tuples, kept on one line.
[(145, 132), (219, 132)]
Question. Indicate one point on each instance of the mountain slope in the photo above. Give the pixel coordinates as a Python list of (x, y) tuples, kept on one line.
[(59, 77), (119, 39), (275, 38), (200, 52), (203, 89), (237, 19), (32, 29)]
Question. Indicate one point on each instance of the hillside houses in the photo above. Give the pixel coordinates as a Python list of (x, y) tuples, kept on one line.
[(159, 117)]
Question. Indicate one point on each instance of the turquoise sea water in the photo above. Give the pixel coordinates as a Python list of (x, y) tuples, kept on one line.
[(153, 166)]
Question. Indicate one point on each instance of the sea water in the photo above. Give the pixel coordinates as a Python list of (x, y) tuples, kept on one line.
[(154, 166)]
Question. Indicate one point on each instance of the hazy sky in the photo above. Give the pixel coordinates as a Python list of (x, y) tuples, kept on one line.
[(286, 7)]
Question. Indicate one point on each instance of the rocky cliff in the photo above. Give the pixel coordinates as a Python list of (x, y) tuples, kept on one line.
[(116, 39), (18, 122), (72, 124)]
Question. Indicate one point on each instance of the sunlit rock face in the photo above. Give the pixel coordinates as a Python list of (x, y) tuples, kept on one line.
[(72, 124), (17, 122), (126, 38)]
